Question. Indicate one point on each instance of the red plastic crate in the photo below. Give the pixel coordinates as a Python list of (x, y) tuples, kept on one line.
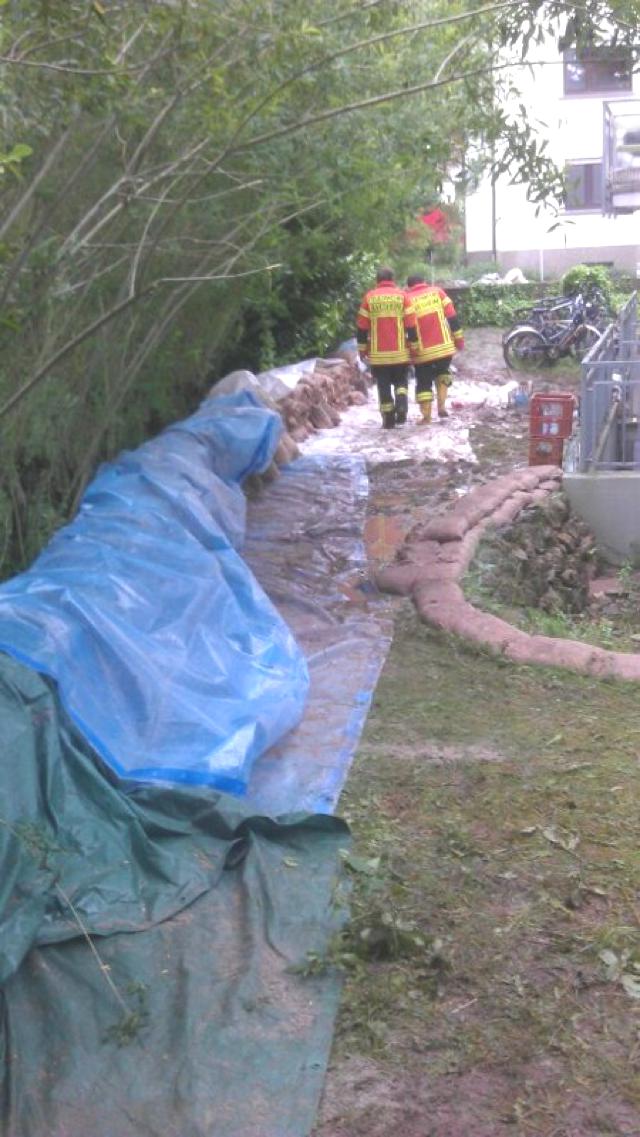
[(546, 451), (551, 416)]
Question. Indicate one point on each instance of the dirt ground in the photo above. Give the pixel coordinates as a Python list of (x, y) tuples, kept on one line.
[(492, 959)]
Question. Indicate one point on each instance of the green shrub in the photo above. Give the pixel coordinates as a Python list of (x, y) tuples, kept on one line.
[(497, 305), (582, 278)]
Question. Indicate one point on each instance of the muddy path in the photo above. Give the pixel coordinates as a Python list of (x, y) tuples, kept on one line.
[(415, 470), (491, 962)]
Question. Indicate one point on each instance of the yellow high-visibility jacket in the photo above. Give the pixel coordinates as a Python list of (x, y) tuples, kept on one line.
[(437, 324), (385, 323)]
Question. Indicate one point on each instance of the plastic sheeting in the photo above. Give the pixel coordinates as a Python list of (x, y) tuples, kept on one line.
[(273, 384), (447, 440), (215, 907), (215, 912), (167, 652), (305, 545)]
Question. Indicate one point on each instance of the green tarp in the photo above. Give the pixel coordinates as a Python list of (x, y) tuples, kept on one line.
[(214, 912)]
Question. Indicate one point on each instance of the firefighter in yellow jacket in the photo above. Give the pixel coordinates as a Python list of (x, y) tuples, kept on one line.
[(385, 328), (439, 336)]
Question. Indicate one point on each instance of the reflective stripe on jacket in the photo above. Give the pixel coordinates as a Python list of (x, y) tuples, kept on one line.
[(385, 320), (436, 323)]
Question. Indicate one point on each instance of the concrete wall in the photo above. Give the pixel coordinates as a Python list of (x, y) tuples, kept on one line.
[(547, 263), (609, 503)]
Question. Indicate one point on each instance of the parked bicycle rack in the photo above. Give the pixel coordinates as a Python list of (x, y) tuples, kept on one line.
[(609, 436)]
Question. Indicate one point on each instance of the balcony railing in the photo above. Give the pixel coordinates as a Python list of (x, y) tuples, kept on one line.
[(621, 156)]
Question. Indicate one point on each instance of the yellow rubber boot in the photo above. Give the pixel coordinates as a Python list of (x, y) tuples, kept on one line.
[(425, 409), (441, 389)]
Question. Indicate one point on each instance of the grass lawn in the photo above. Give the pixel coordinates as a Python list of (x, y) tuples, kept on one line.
[(492, 959)]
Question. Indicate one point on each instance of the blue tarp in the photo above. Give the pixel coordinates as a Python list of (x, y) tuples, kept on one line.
[(167, 653), (162, 642)]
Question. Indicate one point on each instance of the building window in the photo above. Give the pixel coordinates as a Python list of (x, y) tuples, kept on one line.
[(584, 185), (600, 70)]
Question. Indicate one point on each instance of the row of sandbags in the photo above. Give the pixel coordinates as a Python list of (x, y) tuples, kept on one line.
[(319, 398), (316, 402)]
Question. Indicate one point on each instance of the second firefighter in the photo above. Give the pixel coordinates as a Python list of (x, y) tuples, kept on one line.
[(438, 337)]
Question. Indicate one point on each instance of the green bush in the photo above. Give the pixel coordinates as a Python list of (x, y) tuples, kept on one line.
[(501, 305), (497, 305), (582, 278)]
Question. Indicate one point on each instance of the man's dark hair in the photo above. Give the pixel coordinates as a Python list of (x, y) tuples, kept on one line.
[(415, 278), (384, 273)]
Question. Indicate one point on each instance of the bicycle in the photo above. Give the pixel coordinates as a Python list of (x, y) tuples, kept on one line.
[(541, 344), (559, 310), (597, 309), (539, 313)]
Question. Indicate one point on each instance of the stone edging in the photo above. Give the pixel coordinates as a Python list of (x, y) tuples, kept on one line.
[(435, 556)]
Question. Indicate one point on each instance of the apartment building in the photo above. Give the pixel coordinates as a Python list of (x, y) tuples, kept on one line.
[(589, 108)]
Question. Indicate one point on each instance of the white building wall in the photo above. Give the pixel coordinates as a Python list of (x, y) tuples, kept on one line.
[(573, 126)]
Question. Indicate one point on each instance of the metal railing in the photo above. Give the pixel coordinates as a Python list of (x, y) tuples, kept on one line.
[(609, 437)]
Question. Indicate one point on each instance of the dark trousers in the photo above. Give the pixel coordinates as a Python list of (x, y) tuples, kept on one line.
[(391, 381), (427, 373)]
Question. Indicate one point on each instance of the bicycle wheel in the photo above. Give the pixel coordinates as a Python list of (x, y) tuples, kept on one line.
[(525, 350), (584, 341)]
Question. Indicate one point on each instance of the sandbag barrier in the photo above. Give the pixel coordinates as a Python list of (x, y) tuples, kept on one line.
[(318, 399), (315, 403), (435, 556)]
